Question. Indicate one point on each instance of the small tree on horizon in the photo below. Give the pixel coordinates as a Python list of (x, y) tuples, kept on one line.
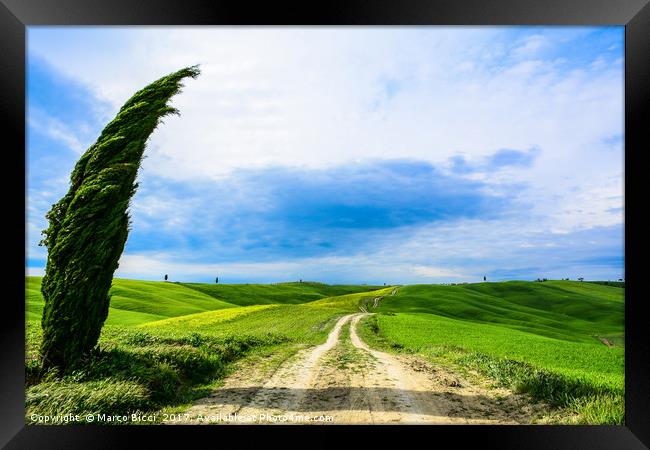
[(166, 277), (88, 227)]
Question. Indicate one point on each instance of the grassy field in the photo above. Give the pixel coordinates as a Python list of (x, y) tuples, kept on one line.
[(544, 338), (165, 344), (135, 302), (280, 293)]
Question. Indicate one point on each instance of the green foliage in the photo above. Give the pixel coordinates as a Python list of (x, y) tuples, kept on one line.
[(88, 227), (542, 384), (69, 396), (597, 409)]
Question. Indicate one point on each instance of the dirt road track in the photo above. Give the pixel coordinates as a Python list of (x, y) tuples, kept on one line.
[(343, 381)]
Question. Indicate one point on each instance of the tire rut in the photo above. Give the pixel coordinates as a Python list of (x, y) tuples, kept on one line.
[(344, 381)]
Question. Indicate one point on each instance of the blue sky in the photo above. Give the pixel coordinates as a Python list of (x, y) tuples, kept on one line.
[(365, 155)]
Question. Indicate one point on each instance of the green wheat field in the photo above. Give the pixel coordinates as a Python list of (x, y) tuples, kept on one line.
[(166, 344)]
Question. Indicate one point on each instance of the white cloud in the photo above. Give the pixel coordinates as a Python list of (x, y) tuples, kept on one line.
[(369, 268), (595, 204), (317, 98), (57, 130), (155, 265), (530, 46), (35, 271), (304, 97), (437, 272)]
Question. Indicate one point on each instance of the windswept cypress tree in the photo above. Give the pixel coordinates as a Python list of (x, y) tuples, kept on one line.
[(88, 227)]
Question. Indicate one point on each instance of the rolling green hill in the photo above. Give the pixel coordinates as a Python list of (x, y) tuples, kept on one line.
[(595, 362), (165, 299), (351, 302), (305, 323), (279, 293), (134, 302), (565, 310), (546, 338), (561, 339)]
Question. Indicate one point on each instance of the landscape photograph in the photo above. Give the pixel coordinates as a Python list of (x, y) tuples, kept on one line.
[(340, 225)]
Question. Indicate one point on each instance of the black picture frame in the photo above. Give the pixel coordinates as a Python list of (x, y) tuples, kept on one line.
[(16, 15)]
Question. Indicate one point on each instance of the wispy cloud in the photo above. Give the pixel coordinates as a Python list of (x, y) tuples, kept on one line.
[(530, 46), (55, 129), (501, 159)]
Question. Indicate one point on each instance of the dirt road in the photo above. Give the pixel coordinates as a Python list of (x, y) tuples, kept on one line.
[(343, 381)]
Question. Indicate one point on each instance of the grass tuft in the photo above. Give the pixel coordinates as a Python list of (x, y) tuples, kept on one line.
[(71, 396)]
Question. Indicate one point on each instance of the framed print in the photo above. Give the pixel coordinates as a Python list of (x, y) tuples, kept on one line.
[(378, 219)]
